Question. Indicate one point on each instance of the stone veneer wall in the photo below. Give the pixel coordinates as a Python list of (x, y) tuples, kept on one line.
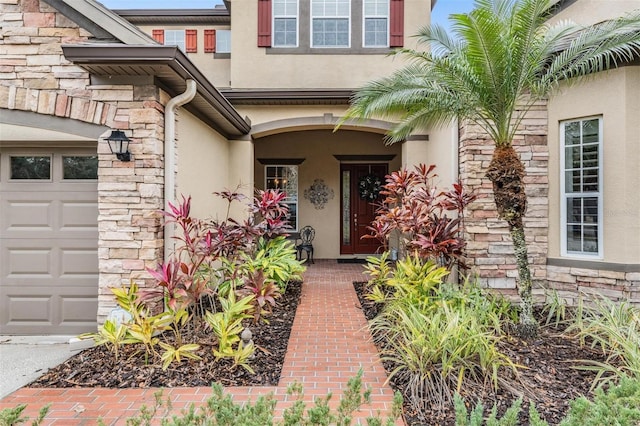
[(35, 77), (490, 251), (489, 246), (571, 281)]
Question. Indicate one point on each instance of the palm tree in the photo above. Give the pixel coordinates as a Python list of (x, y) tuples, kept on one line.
[(503, 58)]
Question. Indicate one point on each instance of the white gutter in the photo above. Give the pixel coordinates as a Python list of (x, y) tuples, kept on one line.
[(170, 158)]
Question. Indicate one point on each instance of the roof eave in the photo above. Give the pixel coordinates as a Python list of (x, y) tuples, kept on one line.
[(288, 96), (219, 16), (100, 21), (90, 56)]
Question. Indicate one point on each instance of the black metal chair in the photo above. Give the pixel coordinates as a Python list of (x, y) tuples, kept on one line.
[(304, 242)]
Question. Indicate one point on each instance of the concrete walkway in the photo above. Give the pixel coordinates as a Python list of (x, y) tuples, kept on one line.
[(25, 358), (328, 345)]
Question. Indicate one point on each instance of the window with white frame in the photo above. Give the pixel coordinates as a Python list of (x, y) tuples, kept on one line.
[(330, 23), (581, 180), (285, 23), (223, 41), (376, 23), (285, 179), (174, 38)]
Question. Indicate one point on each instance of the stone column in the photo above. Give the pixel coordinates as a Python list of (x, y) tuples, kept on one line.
[(489, 247), (130, 194)]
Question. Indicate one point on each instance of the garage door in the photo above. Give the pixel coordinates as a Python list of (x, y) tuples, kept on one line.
[(48, 241)]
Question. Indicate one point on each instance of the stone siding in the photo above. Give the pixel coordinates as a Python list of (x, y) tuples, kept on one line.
[(36, 77), (571, 282), (490, 253)]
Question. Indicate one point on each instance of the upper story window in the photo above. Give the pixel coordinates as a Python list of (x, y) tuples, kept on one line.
[(285, 23), (175, 38), (223, 41), (330, 23), (186, 40), (327, 27), (376, 23), (581, 180)]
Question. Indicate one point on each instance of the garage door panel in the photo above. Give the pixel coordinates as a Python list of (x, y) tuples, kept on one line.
[(69, 260), (79, 216), (28, 305), (34, 309), (78, 263), (35, 216), (48, 247), (78, 310), (74, 217), (27, 262)]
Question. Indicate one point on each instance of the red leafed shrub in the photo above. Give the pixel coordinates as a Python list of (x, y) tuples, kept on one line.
[(201, 243), (427, 222)]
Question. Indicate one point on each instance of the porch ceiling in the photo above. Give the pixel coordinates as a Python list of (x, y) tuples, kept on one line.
[(170, 68)]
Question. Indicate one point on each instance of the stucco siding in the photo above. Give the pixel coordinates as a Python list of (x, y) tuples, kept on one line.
[(258, 67), (203, 166), (440, 149), (589, 12), (215, 67), (612, 95)]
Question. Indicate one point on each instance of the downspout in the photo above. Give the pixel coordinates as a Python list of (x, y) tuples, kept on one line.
[(170, 158), (456, 150)]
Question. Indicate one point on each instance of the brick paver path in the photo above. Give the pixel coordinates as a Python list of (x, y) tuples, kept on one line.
[(328, 345)]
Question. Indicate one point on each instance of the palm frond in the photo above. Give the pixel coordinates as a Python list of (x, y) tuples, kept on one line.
[(584, 51), (504, 57)]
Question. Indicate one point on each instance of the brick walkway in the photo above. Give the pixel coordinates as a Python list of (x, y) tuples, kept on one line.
[(328, 345)]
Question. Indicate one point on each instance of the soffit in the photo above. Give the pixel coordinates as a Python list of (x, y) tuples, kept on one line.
[(17, 133), (289, 96), (170, 68)]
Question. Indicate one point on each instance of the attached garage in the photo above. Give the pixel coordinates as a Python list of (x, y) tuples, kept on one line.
[(48, 240)]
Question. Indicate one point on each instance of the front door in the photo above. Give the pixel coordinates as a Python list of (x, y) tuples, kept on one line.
[(358, 210)]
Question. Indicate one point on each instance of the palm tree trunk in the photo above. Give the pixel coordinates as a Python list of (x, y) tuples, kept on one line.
[(528, 326), (506, 172)]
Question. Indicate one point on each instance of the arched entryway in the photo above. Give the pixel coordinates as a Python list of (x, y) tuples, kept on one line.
[(301, 160)]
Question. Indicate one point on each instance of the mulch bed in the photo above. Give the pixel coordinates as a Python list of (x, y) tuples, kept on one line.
[(97, 367), (549, 377)]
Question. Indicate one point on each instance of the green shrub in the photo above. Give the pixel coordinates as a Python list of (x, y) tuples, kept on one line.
[(614, 327), (510, 417), (276, 258), (13, 416), (220, 410), (439, 337), (619, 405), (555, 308)]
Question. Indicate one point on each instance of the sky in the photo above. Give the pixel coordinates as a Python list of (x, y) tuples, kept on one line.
[(440, 13)]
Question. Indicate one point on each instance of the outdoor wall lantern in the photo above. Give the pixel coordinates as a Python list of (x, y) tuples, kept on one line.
[(119, 145)]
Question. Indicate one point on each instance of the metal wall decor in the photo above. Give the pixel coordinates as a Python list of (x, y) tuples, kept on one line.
[(318, 193)]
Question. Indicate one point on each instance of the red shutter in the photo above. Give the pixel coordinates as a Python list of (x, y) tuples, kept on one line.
[(264, 23), (191, 40), (396, 23), (158, 35), (209, 41)]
